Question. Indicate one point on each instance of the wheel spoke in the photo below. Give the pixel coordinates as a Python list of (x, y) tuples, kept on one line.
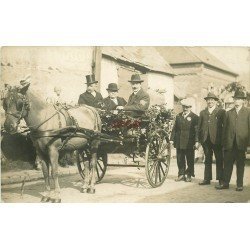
[(164, 147), (151, 167), (156, 173), (162, 169), (159, 165), (98, 163), (97, 171), (153, 171)]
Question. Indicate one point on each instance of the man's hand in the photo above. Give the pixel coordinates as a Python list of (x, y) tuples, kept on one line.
[(120, 107), (196, 145)]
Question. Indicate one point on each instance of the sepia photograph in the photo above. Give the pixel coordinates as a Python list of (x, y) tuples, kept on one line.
[(125, 124)]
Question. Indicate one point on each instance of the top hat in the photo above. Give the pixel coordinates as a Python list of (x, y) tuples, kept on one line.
[(90, 79), (212, 96), (186, 102), (239, 94), (112, 87), (136, 79)]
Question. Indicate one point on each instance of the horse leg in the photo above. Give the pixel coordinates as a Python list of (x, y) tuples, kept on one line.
[(85, 185), (93, 162), (53, 156), (45, 169)]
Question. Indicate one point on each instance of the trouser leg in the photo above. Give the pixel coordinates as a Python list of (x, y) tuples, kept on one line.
[(219, 161), (240, 166), (208, 160), (180, 154), (229, 158), (190, 162)]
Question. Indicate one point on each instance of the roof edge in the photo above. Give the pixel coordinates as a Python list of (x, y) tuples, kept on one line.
[(207, 64), (137, 65)]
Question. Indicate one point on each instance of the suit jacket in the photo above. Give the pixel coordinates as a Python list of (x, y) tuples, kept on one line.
[(110, 105), (212, 125), (138, 103), (185, 131), (237, 127), (89, 99)]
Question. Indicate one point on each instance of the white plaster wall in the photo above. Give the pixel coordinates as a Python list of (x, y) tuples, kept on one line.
[(160, 82), (108, 75), (49, 67)]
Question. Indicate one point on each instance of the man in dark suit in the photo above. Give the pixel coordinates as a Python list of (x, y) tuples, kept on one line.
[(91, 97), (113, 101), (139, 100), (184, 136), (236, 138), (210, 136)]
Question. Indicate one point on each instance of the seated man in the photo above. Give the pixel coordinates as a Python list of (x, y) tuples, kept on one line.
[(91, 97), (139, 100), (113, 101)]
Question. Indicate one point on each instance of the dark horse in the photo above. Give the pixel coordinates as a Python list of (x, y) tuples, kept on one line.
[(42, 119)]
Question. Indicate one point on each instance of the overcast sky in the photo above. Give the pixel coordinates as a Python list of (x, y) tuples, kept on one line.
[(237, 59)]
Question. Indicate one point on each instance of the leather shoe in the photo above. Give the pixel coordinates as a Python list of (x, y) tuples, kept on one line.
[(181, 178), (204, 182), (220, 187), (220, 182), (188, 179), (239, 189)]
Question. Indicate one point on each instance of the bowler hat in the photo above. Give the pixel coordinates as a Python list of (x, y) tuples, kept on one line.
[(239, 94), (136, 79), (90, 79), (112, 87), (186, 102), (212, 96)]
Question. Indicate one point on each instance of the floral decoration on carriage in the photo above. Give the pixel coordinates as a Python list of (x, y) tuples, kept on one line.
[(120, 123)]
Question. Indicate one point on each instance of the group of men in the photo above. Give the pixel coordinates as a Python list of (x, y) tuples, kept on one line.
[(137, 104), (224, 134)]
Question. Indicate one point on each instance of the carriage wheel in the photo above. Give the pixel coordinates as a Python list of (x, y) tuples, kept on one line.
[(101, 167), (158, 155)]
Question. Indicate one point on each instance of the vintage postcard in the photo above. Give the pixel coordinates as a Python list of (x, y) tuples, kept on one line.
[(125, 124)]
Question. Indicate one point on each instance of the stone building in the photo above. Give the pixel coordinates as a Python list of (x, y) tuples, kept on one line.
[(196, 72)]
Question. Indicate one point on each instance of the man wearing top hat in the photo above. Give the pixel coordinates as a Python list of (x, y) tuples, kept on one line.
[(139, 100), (210, 136), (184, 136), (91, 97), (236, 138), (113, 101)]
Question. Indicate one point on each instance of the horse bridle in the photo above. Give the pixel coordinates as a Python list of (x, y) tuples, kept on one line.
[(21, 114)]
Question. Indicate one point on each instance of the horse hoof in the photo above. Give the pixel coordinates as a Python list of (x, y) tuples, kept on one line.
[(45, 199), (91, 191), (55, 200), (84, 190)]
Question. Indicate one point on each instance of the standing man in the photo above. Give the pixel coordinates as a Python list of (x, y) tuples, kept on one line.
[(139, 100), (91, 97), (184, 136), (236, 138), (210, 137), (113, 101)]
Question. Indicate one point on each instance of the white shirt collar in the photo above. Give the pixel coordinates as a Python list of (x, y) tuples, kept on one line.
[(135, 92), (93, 93), (185, 116), (210, 110), (238, 109), (114, 100)]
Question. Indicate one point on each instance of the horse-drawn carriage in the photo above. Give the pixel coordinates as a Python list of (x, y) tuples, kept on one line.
[(56, 129), (144, 139)]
